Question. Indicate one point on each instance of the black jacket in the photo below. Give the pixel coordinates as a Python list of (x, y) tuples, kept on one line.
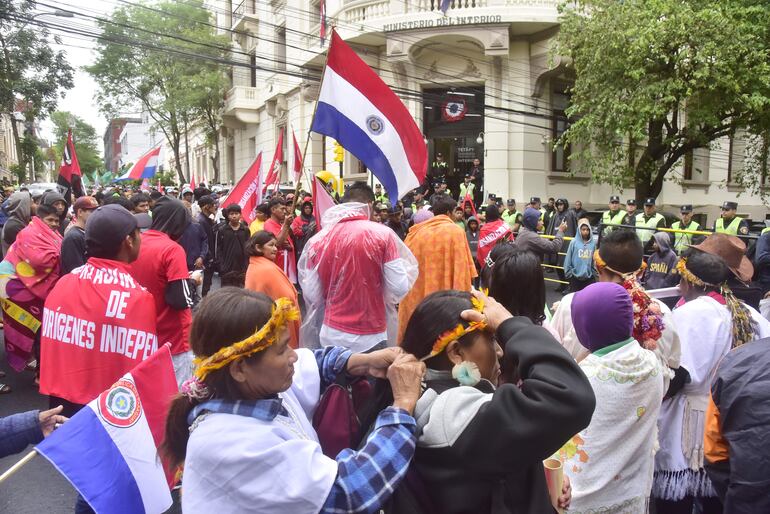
[(738, 428), (481, 450), (73, 249), (208, 227), (231, 249)]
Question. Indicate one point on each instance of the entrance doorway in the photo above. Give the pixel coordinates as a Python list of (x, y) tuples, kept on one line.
[(458, 153), (453, 119)]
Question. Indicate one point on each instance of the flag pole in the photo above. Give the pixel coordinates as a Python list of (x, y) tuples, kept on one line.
[(16, 467), (309, 130)]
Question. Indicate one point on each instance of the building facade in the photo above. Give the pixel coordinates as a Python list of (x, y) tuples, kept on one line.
[(137, 137), (479, 82), (111, 141), (8, 154)]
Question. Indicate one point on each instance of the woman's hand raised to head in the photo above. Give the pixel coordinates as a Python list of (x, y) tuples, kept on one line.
[(494, 314), (373, 364), (405, 376)]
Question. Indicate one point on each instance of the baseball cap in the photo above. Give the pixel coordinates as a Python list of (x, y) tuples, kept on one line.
[(85, 202), (685, 208), (614, 199), (631, 201), (649, 201), (729, 205), (511, 201), (143, 221), (535, 199), (107, 227)]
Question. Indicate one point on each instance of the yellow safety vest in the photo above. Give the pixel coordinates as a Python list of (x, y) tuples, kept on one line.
[(682, 240), (765, 231), (645, 235), (510, 217), (609, 219), (731, 229)]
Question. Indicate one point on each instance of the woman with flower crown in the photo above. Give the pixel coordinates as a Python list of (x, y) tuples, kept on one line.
[(242, 427), (480, 447), (711, 321)]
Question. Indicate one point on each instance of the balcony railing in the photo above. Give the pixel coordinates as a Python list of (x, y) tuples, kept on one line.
[(357, 12), (435, 5), (361, 11), (245, 7)]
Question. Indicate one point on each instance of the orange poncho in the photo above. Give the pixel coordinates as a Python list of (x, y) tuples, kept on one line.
[(445, 261), (264, 276)]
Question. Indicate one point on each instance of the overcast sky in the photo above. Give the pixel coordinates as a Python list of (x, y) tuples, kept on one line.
[(81, 99)]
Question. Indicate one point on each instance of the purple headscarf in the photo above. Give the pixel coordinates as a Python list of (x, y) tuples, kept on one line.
[(602, 315)]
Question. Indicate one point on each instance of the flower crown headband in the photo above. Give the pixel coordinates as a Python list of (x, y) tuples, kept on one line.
[(456, 333), (689, 276), (283, 311)]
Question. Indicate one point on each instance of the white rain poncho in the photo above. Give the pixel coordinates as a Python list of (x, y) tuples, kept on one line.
[(353, 273)]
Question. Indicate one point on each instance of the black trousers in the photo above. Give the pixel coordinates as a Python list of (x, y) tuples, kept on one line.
[(578, 284), (233, 279), (208, 276)]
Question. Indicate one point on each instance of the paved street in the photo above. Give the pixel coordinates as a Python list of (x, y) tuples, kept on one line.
[(37, 487)]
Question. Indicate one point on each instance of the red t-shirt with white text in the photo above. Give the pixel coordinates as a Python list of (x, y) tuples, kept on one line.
[(98, 323)]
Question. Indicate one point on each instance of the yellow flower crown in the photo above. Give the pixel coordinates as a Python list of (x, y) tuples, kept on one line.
[(283, 312), (456, 333), (689, 276)]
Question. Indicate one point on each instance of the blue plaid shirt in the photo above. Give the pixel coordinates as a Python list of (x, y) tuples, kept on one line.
[(365, 478)]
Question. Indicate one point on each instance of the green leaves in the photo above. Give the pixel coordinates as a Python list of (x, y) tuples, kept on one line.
[(669, 75), (84, 136), (170, 74)]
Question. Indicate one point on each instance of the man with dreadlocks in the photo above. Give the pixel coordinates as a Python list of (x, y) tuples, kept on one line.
[(711, 321), (619, 260)]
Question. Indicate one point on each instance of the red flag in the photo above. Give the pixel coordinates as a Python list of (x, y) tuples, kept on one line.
[(248, 191), (322, 8), (297, 158), (468, 200), (274, 174), (160, 187), (322, 200), (69, 172), (192, 181)]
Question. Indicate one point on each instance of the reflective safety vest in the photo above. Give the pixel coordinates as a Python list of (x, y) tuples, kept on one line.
[(765, 231), (609, 219), (682, 240), (731, 229), (652, 223), (510, 217)]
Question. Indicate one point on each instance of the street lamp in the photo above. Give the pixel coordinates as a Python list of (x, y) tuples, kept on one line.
[(480, 139), (57, 12)]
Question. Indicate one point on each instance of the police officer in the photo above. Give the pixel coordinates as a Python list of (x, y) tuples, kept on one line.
[(685, 223), (630, 218), (649, 219), (535, 203), (614, 216), (729, 223), (511, 215), (379, 195)]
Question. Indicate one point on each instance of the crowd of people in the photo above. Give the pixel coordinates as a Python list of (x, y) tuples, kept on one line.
[(471, 380)]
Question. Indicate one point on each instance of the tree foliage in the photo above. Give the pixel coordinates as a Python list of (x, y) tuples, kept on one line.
[(657, 79), (153, 75), (30, 70), (84, 136)]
